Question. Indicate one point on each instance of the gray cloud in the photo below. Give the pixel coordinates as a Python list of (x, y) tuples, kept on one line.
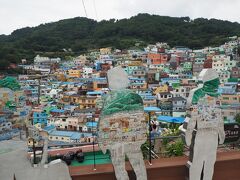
[(16, 14)]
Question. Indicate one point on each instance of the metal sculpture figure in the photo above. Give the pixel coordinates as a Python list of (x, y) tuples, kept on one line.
[(122, 127), (204, 126)]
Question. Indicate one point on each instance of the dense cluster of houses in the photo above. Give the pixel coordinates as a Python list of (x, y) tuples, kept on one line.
[(59, 97)]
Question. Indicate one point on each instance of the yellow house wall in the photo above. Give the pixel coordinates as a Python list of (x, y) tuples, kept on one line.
[(230, 99), (74, 73), (30, 143), (161, 89)]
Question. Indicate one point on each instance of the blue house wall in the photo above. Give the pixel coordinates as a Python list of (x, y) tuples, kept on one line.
[(40, 117)]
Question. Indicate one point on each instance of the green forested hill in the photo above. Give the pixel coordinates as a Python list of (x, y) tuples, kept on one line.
[(81, 34)]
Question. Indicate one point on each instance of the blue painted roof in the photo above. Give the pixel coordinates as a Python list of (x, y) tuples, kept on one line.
[(39, 114), (134, 78), (95, 93), (66, 83), (76, 136), (72, 135), (68, 106), (78, 84), (231, 83), (170, 79), (171, 119), (91, 124), (151, 109), (2, 119), (49, 128), (57, 111), (100, 78), (148, 97), (137, 83), (65, 68)]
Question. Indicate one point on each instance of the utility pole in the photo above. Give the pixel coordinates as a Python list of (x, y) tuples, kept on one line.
[(34, 151), (39, 90), (93, 144)]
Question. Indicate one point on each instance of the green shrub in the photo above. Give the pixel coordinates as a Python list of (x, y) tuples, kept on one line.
[(169, 132), (144, 149), (175, 148), (237, 118)]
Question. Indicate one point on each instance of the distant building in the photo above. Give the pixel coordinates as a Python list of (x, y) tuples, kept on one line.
[(155, 58), (178, 103), (235, 73), (4, 124), (40, 117), (70, 137), (74, 73)]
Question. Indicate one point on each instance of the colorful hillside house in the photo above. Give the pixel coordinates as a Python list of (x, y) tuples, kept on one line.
[(41, 118), (11, 105), (10, 83)]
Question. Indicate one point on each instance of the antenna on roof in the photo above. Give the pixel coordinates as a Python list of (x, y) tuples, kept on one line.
[(84, 8), (95, 9)]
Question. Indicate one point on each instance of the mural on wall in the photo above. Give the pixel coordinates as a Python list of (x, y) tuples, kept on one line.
[(122, 127), (204, 126)]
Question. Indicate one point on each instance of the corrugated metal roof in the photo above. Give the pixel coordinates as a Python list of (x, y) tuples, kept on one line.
[(152, 109), (95, 93), (57, 111), (71, 134), (171, 119), (91, 124)]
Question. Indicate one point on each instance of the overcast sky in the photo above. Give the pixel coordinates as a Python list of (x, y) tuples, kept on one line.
[(15, 14)]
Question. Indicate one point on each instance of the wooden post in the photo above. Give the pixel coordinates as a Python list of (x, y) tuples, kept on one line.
[(149, 138)]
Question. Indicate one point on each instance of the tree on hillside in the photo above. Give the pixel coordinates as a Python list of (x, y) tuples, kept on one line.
[(81, 34)]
